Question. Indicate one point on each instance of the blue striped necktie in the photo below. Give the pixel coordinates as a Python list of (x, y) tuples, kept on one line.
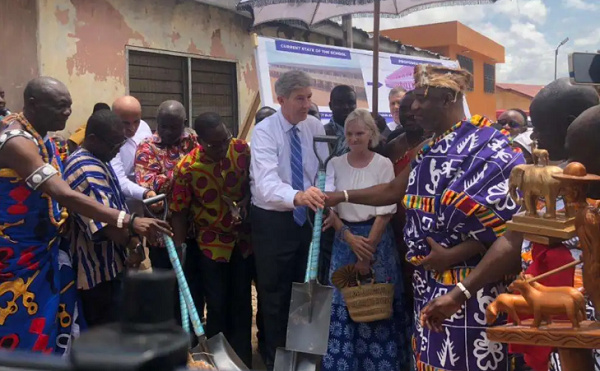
[(297, 173)]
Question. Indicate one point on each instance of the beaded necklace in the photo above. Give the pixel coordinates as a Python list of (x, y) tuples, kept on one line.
[(20, 118)]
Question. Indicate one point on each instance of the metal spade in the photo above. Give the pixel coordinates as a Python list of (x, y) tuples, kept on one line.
[(310, 305), (215, 351)]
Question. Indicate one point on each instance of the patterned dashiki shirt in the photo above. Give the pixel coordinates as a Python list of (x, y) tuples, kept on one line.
[(155, 162), (457, 189), (199, 184)]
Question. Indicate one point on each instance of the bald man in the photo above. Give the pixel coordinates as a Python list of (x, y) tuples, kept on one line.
[(32, 197), (157, 155), (156, 158), (135, 130)]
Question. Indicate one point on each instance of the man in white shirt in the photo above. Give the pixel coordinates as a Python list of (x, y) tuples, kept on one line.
[(283, 169), (129, 110), (135, 130), (395, 97)]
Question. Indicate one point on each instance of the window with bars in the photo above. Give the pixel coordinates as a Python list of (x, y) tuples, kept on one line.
[(467, 64), (489, 78), (202, 85)]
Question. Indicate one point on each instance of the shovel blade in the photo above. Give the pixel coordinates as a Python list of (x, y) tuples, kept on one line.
[(220, 352), (288, 360), (309, 318)]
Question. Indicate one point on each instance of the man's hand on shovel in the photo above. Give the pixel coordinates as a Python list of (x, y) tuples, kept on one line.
[(312, 197)]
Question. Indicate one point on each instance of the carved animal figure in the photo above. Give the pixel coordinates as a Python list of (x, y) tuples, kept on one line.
[(511, 304), (572, 291), (539, 155), (534, 182), (547, 304)]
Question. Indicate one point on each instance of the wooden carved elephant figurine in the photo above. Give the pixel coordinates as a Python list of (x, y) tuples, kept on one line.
[(534, 182)]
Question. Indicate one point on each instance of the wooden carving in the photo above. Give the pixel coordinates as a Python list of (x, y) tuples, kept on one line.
[(588, 229), (535, 182), (587, 222), (539, 155), (545, 304), (576, 294), (511, 304)]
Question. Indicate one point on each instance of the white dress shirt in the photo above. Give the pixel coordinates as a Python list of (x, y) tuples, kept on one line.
[(270, 167), (123, 163), (392, 125)]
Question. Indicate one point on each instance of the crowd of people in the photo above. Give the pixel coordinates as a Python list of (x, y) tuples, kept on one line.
[(421, 202)]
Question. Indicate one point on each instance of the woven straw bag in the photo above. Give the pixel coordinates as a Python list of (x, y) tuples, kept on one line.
[(366, 302)]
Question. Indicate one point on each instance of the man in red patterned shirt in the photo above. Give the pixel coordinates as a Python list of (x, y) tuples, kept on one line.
[(212, 189), (157, 156)]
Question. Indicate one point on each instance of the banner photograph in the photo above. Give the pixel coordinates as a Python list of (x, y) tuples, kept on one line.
[(331, 66)]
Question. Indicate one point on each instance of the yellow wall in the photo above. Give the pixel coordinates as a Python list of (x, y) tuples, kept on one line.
[(506, 99), (83, 43)]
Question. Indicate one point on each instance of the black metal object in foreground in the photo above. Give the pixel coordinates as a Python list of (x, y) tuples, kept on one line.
[(146, 337)]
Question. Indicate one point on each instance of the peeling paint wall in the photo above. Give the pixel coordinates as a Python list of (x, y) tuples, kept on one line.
[(18, 42), (83, 43)]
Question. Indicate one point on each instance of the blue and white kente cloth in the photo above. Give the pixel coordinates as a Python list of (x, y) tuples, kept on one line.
[(457, 189), (97, 258)]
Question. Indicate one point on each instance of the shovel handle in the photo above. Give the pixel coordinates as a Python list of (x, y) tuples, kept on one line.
[(183, 286), (315, 245), (185, 317)]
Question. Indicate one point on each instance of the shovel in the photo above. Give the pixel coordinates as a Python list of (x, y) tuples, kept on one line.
[(147, 203), (310, 305), (216, 351)]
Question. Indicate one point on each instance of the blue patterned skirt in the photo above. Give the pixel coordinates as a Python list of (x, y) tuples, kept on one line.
[(381, 345)]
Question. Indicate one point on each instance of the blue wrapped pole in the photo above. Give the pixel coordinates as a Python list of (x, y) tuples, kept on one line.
[(183, 286), (185, 317), (315, 245)]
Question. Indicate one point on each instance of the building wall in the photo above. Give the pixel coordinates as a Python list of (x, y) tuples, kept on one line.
[(18, 42), (451, 39), (507, 99), (479, 101), (83, 43)]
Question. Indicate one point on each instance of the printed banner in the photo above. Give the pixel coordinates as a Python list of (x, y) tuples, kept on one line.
[(331, 66)]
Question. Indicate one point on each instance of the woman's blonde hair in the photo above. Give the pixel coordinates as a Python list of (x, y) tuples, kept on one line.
[(364, 116)]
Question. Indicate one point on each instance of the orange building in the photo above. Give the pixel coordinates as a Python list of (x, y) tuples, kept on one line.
[(475, 52), (515, 96)]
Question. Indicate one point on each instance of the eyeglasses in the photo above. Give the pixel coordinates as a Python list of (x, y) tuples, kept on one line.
[(510, 123), (221, 144)]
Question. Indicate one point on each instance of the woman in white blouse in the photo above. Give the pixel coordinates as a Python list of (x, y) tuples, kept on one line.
[(364, 238)]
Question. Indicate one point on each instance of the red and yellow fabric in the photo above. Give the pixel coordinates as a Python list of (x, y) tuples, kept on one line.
[(155, 162), (199, 185)]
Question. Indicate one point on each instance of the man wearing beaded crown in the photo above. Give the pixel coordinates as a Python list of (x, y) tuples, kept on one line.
[(37, 280), (456, 203)]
